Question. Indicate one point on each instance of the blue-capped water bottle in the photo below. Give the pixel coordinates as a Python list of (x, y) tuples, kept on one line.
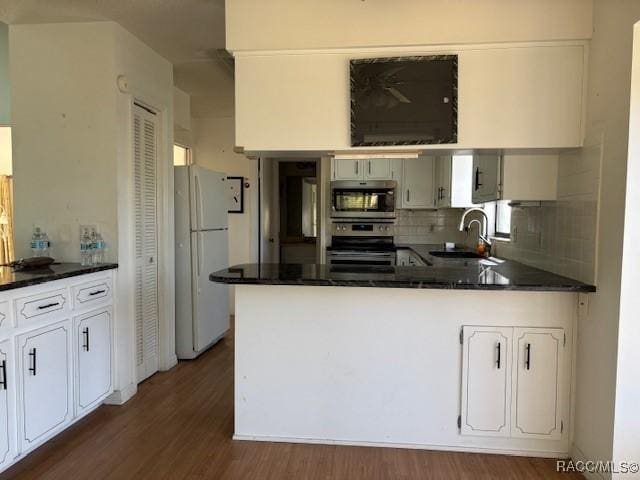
[(98, 249), (36, 248)]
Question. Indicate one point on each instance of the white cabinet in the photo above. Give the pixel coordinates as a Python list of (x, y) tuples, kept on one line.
[(417, 189), (45, 381), (443, 181), (362, 169), (7, 404), (454, 181), (539, 368), (347, 169), (93, 347), (486, 373), (377, 169), (56, 358), (486, 178), (515, 177), (527, 404)]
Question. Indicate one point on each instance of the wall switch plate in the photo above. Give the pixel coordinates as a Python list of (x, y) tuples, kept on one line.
[(583, 305)]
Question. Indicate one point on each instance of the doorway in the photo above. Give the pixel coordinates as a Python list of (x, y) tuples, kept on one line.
[(289, 206)]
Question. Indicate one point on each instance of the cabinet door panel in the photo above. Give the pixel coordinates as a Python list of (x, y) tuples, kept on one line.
[(443, 175), (45, 376), (93, 347), (377, 169), (348, 169), (486, 176), (486, 375), (7, 404), (539, 367), (418, 182)]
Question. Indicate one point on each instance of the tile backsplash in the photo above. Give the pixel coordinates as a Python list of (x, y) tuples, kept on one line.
[(428, 226), (561, 236)]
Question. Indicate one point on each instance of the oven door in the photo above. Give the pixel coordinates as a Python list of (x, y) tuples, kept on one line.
[(363, 199), (362, 258)]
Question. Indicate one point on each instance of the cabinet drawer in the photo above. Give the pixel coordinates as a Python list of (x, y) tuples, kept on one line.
[(92, 293), (42, 306)]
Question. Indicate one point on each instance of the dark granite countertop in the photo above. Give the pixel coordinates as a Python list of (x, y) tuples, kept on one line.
[(10, 279), (467, 274)]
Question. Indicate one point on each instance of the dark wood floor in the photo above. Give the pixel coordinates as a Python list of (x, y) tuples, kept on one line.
[(179, 426)]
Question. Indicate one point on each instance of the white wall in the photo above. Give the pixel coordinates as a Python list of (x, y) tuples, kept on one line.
[(63, 95), (626, 440), (181, 109), (72, 158), (4, 75), (509, 96), (309, 24), (608, 119)]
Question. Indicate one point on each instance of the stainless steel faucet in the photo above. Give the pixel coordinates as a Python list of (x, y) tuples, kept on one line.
[(483, 233)]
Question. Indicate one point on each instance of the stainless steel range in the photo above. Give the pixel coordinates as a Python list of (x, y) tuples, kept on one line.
[(362, 243)]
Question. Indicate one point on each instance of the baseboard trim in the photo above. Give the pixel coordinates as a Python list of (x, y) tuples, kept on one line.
[(120, 397), (413, 446), (172, 361), (578, 455)]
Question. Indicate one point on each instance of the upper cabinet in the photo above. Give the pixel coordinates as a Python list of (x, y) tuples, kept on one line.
[(417, 186), (453, 177), (362, 169), (514, 177), (509, 97)]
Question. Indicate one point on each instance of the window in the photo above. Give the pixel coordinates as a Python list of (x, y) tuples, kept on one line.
[(181, 155), (503, 219)]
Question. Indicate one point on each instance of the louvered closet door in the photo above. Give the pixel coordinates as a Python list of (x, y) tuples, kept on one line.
[(145, 134)]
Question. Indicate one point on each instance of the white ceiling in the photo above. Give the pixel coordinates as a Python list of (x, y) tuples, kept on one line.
[(189, 33), (180, 30)]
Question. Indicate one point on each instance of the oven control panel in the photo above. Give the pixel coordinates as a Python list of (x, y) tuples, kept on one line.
[(367, 229)]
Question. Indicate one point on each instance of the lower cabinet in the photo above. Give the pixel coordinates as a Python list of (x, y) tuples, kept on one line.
[(486, 397), (512, 382), (538, 381), (93, 347), (45, 382), (7, 405)]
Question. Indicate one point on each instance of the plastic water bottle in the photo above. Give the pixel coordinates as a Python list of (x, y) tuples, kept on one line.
[(45, 245), (85, 249), (98, 249), (40, 243), (36, 242)]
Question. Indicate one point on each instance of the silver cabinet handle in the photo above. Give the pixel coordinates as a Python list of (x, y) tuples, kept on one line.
[(85, 334), (356, 162), (408, 195), (369, 162)]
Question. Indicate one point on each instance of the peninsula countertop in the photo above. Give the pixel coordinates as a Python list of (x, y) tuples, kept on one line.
[(466, 274), (11, 279)]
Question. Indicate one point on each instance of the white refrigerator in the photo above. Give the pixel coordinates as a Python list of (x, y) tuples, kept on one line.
[(202, 247)]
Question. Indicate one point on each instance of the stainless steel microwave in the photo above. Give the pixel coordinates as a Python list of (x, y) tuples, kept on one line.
[(354, 199)]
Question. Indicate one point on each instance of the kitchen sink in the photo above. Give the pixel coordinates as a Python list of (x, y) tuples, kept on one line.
[(455, 254)]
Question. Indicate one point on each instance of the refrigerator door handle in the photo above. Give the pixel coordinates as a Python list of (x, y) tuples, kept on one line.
[(198, 202), (199, 256)]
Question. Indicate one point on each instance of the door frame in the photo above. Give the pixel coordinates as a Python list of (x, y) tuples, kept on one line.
[(274, 164), (125, 384)]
